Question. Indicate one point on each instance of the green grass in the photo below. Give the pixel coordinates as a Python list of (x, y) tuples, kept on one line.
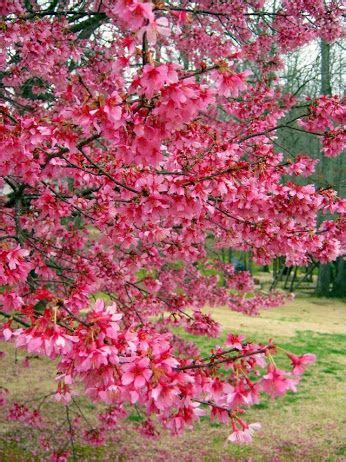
[(304, 426)]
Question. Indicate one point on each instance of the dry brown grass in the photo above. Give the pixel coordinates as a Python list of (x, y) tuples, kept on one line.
[(318, 315)]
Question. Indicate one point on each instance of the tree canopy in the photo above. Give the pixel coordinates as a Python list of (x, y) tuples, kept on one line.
[(132, 131)]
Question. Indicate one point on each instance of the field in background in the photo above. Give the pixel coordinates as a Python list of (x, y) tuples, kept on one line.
[(326, 316), (307, 426)]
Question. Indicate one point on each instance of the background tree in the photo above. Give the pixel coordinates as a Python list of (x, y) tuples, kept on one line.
[(317, 68)]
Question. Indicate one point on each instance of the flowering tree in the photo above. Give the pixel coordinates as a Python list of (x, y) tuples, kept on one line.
[(130, 132)]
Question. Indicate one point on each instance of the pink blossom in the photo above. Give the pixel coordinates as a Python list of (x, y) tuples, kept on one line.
[(111, 416), (11, 7), (63, 394), (157, 27), (133, 12), (165, 395), (244, 435), (231, 83), (300, 362), (3, 396), (95, 437), (276, 382), (234, 341), (60, 456), (154, 78), (238, 396), (148, 430), (136, 373), (13, 265)]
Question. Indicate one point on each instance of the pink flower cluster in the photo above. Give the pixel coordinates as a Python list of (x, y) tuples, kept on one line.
[(328, 116), (14, 265)]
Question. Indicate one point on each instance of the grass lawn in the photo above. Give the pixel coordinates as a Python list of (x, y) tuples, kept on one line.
[(306, 426)]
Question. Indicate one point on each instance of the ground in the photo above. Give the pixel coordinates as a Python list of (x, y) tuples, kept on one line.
[(307, 426)]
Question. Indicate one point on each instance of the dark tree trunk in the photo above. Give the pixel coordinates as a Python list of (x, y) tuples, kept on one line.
[(324, 280), (325, 270), (250, 262), (326, 88), (339, 285)]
